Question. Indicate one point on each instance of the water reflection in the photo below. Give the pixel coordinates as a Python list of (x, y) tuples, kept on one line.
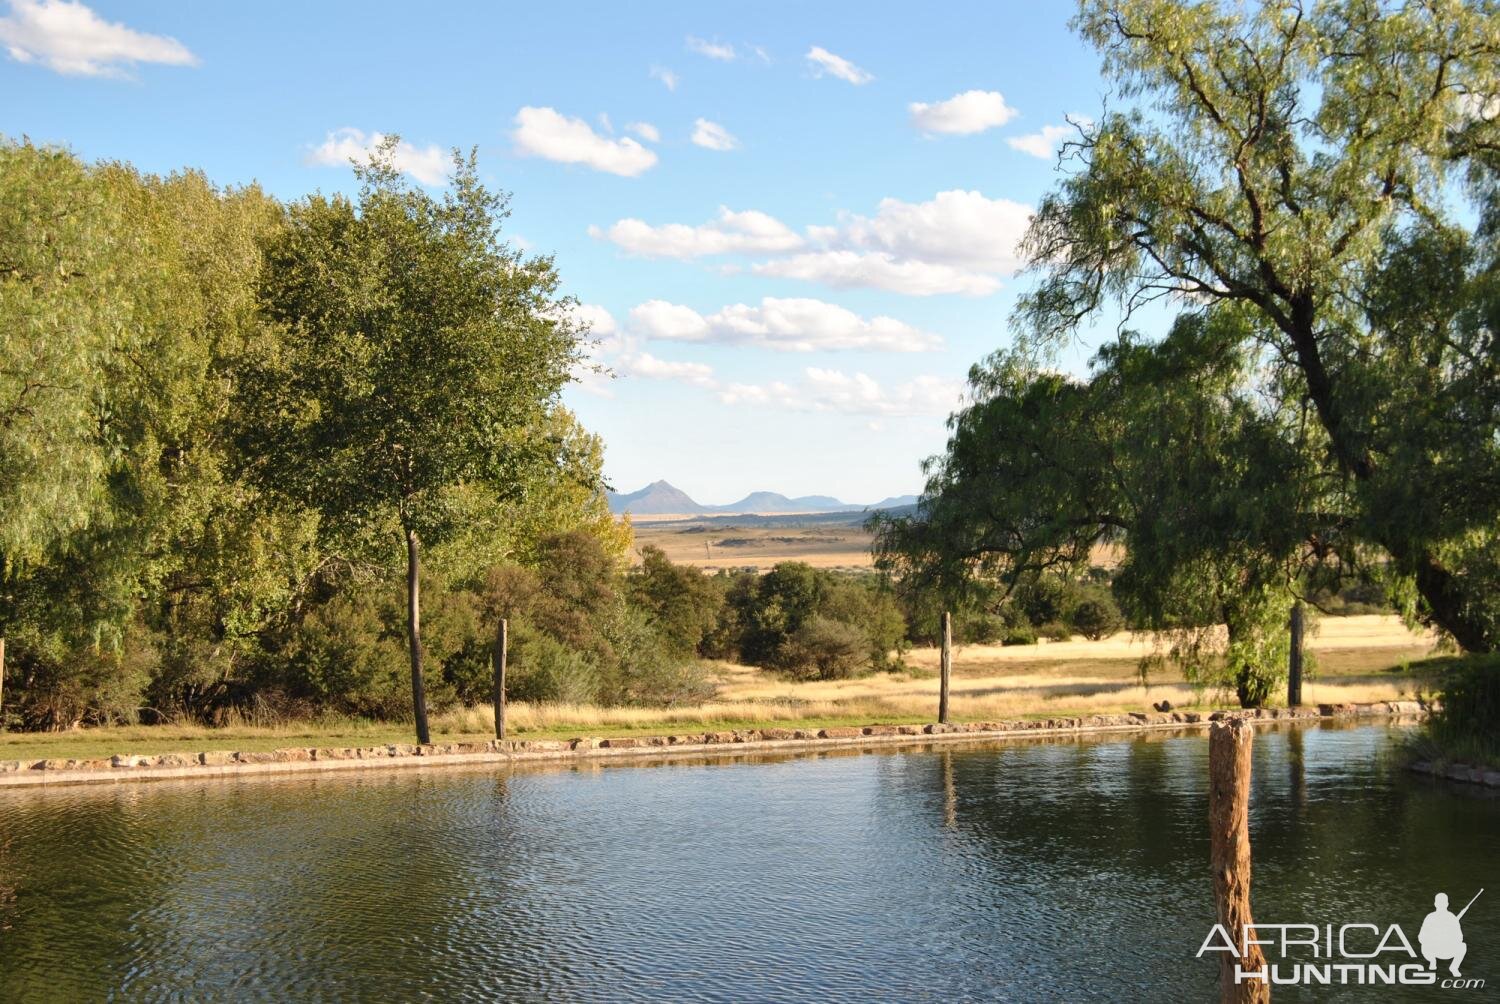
[(1038, 869)]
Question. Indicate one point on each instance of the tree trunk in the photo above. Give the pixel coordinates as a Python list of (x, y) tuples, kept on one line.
[(502, 642), (2, 684), (1294, 659), (946, 667), (414, 634), (1229, 746), (1438, 586)]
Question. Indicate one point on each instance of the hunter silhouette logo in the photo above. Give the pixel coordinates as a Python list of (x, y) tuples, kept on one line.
[(1357, 954), (1441, 936)]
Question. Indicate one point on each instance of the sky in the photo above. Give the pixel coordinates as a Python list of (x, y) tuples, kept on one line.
[(791, 226)]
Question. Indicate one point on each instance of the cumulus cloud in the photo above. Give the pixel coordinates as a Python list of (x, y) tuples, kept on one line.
[(646, 131), (428, 164), (667, 77), (1043, 143), (878, 270), (828, 390), (956, 227), (732, 232), (787, 325), (70, 38), (962, 114), (544, 132), (722, 51), (824, 63), (712, 136)]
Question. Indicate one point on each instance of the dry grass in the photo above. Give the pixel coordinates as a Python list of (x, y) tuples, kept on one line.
[(715, 546), (1356, 657)]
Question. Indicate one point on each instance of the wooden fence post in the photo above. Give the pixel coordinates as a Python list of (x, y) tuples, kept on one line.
[(502, 642), (947, 667), (1294, 660), (2, 684), (1229, 746)]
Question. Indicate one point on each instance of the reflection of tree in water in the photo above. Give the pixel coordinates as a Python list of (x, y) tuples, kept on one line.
[(7, 886)]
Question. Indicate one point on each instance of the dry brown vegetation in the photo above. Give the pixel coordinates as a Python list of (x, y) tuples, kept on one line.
[(713, 545), (1359, 659)]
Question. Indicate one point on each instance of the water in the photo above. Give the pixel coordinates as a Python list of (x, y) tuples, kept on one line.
[(1054, 870)]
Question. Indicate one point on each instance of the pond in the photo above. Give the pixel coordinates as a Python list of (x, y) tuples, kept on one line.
[(1064, 869)]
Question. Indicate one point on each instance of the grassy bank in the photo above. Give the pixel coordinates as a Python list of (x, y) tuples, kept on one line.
[(1360, 659)]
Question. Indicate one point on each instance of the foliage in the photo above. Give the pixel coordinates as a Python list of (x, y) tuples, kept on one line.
[(1467, 726), (682, 603), (1295, 174)]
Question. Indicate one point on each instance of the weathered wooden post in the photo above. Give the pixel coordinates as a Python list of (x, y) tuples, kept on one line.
[(2, 684), (502, 641), (947, 667), (1229, 746), (1294, 660)]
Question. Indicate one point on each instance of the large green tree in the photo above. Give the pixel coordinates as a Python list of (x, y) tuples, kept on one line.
[(1299, 165), (418, 362)]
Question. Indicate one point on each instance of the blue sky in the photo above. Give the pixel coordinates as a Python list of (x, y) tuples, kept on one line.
[(792, 224)]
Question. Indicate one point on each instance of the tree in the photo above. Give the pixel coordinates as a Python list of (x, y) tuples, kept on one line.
[(1164, 452), (420, 362), (1287, 165), (681, 601)]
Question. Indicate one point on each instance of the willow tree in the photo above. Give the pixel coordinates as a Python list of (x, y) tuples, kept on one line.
[(1165, 453), (418, 362), (1281, 161)]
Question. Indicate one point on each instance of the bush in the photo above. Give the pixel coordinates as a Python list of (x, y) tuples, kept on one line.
[(824, 649), (1467, 726), (1022, 634), (1097, 615), (1055, 631)]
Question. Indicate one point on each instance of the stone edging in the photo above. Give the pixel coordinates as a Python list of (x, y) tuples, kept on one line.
[(1487, 776), (216, 764)]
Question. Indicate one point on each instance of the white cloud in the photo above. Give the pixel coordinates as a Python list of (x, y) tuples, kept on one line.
[(712, 136), (733, 232), (722, 51), (1041, 144), (646, 131), (787, 325), (879, 270), (826, 63), (667, 77), (960, 228), (71, 39), (544, 132), (428, 164), (962, 114), (644, 364), (826, 390)]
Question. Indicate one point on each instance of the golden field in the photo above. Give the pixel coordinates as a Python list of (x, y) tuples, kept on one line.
[(1358, 659)]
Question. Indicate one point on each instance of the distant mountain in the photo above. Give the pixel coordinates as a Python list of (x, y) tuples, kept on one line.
[(660, 498), (894, 502), (655, 499)]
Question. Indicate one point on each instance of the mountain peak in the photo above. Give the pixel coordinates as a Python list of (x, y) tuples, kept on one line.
[(661, 498)]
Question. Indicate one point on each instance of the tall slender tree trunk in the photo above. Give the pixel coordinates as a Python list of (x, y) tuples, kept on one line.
[(1229, 748), (414, 633)]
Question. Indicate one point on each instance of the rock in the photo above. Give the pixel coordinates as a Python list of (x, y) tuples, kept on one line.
[(176, 760), (1406, 707), (126, 760), (1491, 778), (840, 733), (294, 754), (401, 749), (909, 730), (685, 740), (585, 743), (1458, 772), (255, 756), (216, 758), (879, 730), (621, 743), (655, 740), (7, 766), (484, 747), (373, 752), (938, 729), (804, 733), (1138, 717), (746, 736), (776, 734), (553, 745)]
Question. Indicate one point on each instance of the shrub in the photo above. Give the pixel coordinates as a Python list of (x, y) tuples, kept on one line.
[(1055, 631), (1096, 615), (1467, 726), (824, 649), (1021, 634), (681, 602)]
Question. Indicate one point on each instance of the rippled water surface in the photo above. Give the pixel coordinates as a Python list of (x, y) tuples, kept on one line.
[(1065, 869)]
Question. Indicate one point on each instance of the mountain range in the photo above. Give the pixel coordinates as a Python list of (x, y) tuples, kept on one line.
[(661, 498)]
